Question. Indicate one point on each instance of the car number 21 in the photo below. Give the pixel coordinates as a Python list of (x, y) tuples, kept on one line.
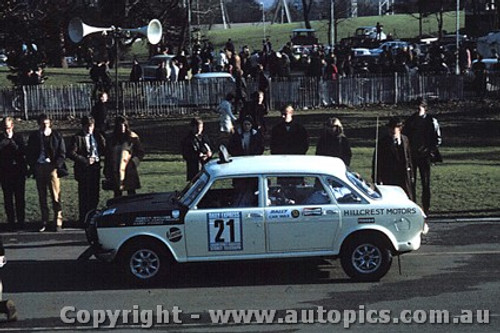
[(224, 232)]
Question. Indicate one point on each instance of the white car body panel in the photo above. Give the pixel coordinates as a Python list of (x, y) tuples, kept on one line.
[(263, 231)]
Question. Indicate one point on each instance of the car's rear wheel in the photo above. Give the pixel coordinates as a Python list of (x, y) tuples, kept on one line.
[(145, 262), (366, 258)]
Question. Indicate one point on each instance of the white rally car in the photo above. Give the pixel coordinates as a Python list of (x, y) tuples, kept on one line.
[(260, 207)]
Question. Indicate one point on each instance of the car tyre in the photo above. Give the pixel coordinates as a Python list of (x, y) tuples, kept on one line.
[(145, 263), (366, 259)]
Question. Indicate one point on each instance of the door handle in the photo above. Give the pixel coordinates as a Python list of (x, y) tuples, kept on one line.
[(331, 212)]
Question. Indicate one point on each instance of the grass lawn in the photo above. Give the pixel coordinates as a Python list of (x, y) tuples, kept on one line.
[(465, 184)]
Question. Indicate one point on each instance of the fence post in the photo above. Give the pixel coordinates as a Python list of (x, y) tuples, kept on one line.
[(396, 90), (25, 103)]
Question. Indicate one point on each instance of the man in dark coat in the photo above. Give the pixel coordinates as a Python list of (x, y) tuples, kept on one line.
[(100, 113), (13, 169), (196, 148), (392, 159), (45, 154), (288, 136), (425, 137), (86, 149)]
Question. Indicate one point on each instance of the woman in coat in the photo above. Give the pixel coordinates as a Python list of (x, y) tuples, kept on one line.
[(246, 140), (333, 142), (124, 154)]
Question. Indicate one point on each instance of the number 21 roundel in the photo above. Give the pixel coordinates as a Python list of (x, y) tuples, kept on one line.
[(224, 231)]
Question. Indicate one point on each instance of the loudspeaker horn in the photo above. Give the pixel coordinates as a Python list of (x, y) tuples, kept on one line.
[(153, 31), (77, 30)]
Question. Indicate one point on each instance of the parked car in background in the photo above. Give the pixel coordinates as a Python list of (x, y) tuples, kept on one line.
[(213, 77), (149, 68), (256, 208), (3, 59), (393, 46)]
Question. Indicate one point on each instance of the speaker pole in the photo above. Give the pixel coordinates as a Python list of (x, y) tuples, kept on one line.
[(77, 30)]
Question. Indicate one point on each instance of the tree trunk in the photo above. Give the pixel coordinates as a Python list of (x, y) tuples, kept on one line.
[(306, 10)]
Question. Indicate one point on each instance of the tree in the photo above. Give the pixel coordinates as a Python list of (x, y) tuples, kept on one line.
[(425, 8), (306, 10)]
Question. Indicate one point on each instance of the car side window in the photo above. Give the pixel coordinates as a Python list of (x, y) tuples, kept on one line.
[(342, 193), (231, 192), (296, 190)]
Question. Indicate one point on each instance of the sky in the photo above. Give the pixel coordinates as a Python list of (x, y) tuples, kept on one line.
[(267, 3)]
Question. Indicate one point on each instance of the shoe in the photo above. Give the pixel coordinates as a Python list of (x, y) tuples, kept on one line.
[(11, 311)]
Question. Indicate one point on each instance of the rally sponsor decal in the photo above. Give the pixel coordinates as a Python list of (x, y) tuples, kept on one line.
[(174, 235), (152, 220), (278, 214), (380, 211), (316, 211), (366, 220), (295, 213), (224, 231)]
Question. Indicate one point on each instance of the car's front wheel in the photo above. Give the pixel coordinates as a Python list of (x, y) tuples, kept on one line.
[(145, 262), (366, 258)]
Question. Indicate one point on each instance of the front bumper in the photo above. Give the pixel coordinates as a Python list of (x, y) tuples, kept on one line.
[(95, 248), (97, 251)]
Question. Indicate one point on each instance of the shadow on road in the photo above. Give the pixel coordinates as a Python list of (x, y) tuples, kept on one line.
[(69, 275)]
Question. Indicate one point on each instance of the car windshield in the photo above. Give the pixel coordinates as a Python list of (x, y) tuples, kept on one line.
[(193, 188), (360, 183)]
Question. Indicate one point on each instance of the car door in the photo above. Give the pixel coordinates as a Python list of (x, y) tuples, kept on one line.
[(300, 214), (227, 220)]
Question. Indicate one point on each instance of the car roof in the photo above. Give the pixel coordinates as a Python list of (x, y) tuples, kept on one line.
[(488, 60), (212, 75), (303, 30), (272, 164)]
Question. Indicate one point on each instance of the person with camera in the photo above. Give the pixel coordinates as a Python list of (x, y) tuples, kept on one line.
[(86, 149)]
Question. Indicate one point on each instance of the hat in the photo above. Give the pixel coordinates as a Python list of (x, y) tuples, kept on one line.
[(87, 120), (394, 122), (421, 102), (248, 118)]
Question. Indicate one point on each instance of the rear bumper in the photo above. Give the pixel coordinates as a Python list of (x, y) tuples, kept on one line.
[(414, 243)]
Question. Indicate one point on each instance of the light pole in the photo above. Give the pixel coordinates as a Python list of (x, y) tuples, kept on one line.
[(457, 68), (263, 19)]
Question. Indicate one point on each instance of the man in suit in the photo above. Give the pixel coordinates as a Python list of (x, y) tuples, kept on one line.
[(45, 154), (425, 137), (288, 136), (13, 171), (86, 148)]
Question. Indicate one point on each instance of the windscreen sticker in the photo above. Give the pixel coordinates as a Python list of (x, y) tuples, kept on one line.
[(380, 211), (224, 231)]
